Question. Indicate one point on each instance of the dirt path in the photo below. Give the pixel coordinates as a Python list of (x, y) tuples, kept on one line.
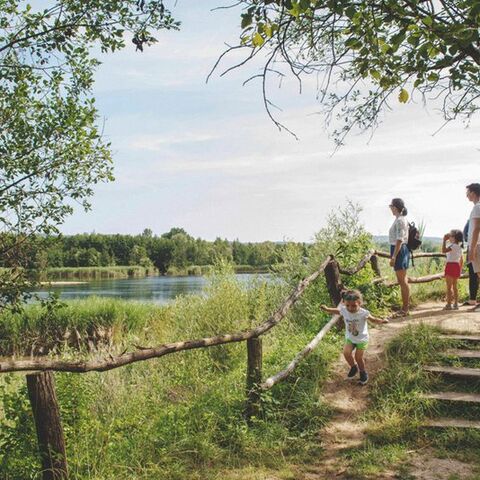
[(349, 400)]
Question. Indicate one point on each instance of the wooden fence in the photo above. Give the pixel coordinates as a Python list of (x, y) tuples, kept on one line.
[(41, 386)]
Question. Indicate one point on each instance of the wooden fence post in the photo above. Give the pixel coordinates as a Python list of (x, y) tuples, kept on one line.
[(375, 266), (254, 377), (46, 413), (334, 284)]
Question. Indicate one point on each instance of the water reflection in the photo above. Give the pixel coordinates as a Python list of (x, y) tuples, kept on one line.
[(151, 289)]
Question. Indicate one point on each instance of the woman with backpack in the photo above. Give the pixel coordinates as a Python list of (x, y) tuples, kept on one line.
[(399, 252)]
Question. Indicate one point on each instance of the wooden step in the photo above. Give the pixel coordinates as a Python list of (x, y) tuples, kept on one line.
[(453, 396), (463, 338), (457, 372), (459, 352), (451, 423)]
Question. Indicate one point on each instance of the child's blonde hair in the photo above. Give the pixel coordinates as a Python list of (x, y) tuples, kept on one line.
[(353, 295)]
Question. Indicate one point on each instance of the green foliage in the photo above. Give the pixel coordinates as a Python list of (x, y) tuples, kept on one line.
[(84, 324), (397, 407), (173, 253), (387, 48), (345, 237), (18, 460), (51, 149)]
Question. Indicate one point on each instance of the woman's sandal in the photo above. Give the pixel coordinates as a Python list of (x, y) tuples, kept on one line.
[(400, 314)]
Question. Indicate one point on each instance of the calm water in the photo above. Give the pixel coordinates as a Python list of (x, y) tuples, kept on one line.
[(148, 289)]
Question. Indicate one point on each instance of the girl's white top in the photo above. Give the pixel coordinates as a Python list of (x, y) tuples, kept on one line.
[(455, 254), (356, 326), (398, 230)]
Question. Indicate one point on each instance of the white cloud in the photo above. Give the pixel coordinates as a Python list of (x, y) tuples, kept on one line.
[(157, 143)]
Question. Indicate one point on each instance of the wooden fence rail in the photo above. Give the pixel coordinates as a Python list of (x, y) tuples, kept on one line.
[(145, 353), (415, 255), (274, 379), (41, 386)]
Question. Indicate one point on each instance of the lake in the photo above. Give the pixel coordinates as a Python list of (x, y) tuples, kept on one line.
[(156, 289)]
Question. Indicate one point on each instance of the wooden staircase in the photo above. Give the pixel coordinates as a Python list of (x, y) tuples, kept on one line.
[(462, 374)]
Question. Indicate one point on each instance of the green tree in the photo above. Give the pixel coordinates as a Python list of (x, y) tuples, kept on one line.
[(161, 253), (181, 248), (367, 51), (51, 149), (139, 256), (175, 231), (222, 249)]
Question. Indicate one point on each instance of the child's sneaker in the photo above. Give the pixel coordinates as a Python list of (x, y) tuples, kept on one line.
[(353, 371), (363, 378)]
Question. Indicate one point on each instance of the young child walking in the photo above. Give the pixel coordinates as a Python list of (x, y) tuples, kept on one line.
[(356, 331), (453, 267)]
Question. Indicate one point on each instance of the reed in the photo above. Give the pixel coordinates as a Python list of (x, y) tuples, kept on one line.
[(96, 273)]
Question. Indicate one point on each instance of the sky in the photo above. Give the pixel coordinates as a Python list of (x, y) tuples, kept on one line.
[(206, 157)]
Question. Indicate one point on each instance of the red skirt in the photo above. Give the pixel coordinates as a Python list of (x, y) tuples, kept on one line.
[(452, 269)]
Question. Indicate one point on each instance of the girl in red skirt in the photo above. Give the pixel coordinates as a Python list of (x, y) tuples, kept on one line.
[(453, 268)]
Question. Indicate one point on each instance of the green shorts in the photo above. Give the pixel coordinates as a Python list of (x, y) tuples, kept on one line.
[(358, 346)]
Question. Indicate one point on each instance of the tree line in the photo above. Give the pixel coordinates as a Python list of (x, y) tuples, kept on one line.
[(174, 250)]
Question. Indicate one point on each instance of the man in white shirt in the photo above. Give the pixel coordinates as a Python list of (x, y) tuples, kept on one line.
[(473, 194)]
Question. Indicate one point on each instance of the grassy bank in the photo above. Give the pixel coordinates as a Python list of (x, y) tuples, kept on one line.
[(75, 325), (199, 270), (96, 273), (397, 411), (173, 418)]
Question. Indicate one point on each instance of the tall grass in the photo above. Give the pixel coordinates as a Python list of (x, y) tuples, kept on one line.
[(198, 270), (95, 273), (40, 330), (177, 417)]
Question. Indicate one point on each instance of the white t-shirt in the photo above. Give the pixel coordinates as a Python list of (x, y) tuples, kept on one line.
[(356, 326), (475, 214), (398, 230), (455, 253)]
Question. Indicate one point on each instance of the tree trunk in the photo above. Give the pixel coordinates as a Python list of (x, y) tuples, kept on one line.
[(334, 284), (375, 266), (46, 413)]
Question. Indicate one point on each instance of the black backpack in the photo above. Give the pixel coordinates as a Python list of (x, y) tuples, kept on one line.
[(413, 241)]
